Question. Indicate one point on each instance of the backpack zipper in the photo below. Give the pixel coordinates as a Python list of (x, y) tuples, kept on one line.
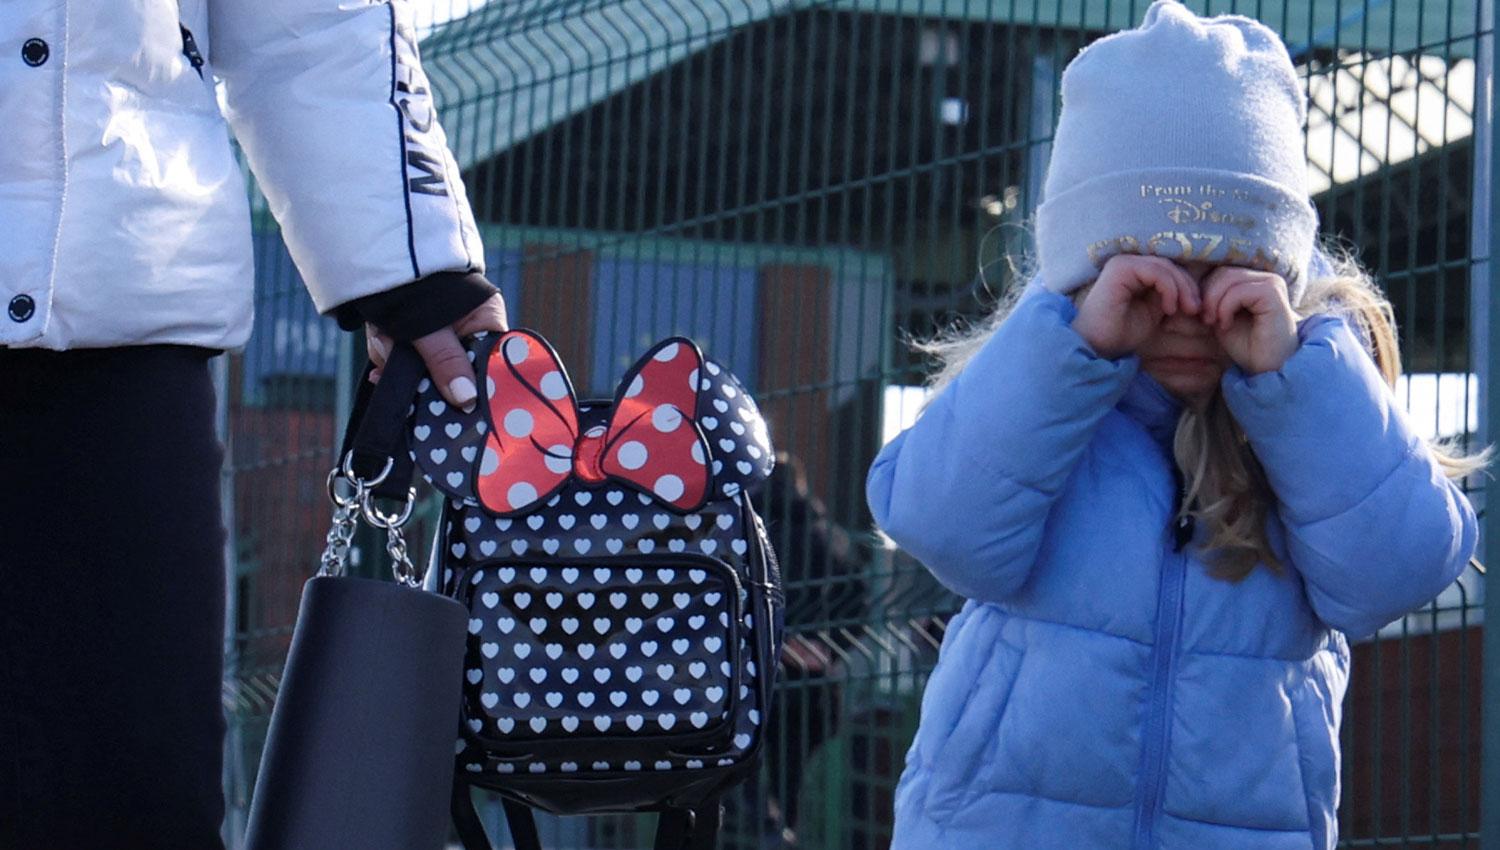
[(1164, 669)]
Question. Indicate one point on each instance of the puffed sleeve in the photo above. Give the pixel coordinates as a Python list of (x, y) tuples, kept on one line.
[(1373, 525), (967, 488)]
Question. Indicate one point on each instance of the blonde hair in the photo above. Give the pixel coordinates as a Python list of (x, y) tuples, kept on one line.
[(1227, 490)]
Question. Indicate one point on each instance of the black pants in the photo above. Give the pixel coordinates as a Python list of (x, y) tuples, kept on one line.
[(111, 600)]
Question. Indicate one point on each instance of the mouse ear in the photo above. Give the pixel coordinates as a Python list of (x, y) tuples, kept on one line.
[(737, 436)]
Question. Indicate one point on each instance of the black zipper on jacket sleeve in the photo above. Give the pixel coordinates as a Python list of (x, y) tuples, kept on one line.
[(190, 50)]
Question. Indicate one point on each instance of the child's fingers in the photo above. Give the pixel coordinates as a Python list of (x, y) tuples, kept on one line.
[(1192, 299), (1169, 293), (1153, 273), (1215, 285), (1185, 289), (1241, 294), (1185, 294)]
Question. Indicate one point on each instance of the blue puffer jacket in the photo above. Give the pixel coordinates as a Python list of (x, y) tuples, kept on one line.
[(1099, 689)]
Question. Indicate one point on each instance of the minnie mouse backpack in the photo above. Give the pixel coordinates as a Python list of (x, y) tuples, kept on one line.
[(625, 606)]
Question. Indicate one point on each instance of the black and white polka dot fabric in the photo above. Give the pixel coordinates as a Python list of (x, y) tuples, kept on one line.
[(609, 633)]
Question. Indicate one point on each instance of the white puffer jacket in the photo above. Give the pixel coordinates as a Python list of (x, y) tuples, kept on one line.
[(124, 215)]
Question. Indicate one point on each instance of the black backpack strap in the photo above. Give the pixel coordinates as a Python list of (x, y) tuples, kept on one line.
[(522, 825), (465, 820), (706, 832), (689, 829), (672, 829), (376, 431), (471, 830)]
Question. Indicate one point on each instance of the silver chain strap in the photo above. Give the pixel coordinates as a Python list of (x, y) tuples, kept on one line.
[(346, 513), (341, 532), (395, 543), (401, 565)]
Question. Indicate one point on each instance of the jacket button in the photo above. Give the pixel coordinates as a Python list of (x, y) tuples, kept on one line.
[(22, 308), (35, 51)]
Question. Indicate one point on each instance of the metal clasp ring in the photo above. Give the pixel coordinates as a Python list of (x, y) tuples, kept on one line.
[(347, 470), (379, 519), (336, 475)]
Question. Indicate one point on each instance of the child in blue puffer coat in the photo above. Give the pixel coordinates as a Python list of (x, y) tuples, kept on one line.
[(1171, 480)]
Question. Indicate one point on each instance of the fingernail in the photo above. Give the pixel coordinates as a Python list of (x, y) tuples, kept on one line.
[(376, 349), (463, 391)]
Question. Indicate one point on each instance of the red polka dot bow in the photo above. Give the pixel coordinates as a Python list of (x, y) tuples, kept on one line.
[(534, 446)]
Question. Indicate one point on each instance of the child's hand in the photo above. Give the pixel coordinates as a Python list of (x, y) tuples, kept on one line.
[(1129, 299), (1249, 313)]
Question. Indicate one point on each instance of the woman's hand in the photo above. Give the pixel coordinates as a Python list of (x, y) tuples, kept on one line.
[(1249, 313), (447, 361), (1129, 299)]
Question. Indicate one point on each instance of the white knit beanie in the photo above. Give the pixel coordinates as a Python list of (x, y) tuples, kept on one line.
[(1180, 138)]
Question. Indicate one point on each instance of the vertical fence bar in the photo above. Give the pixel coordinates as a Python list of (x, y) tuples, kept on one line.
[(1486, 322)]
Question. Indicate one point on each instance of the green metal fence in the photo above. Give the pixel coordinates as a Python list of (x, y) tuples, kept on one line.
[(803, 185)]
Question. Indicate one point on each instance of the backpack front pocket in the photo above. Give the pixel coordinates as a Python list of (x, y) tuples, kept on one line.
[(601, 651)]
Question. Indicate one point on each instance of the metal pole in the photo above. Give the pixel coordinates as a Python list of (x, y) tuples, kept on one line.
[(1485, 323), (233, 780), (1043, 107)]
